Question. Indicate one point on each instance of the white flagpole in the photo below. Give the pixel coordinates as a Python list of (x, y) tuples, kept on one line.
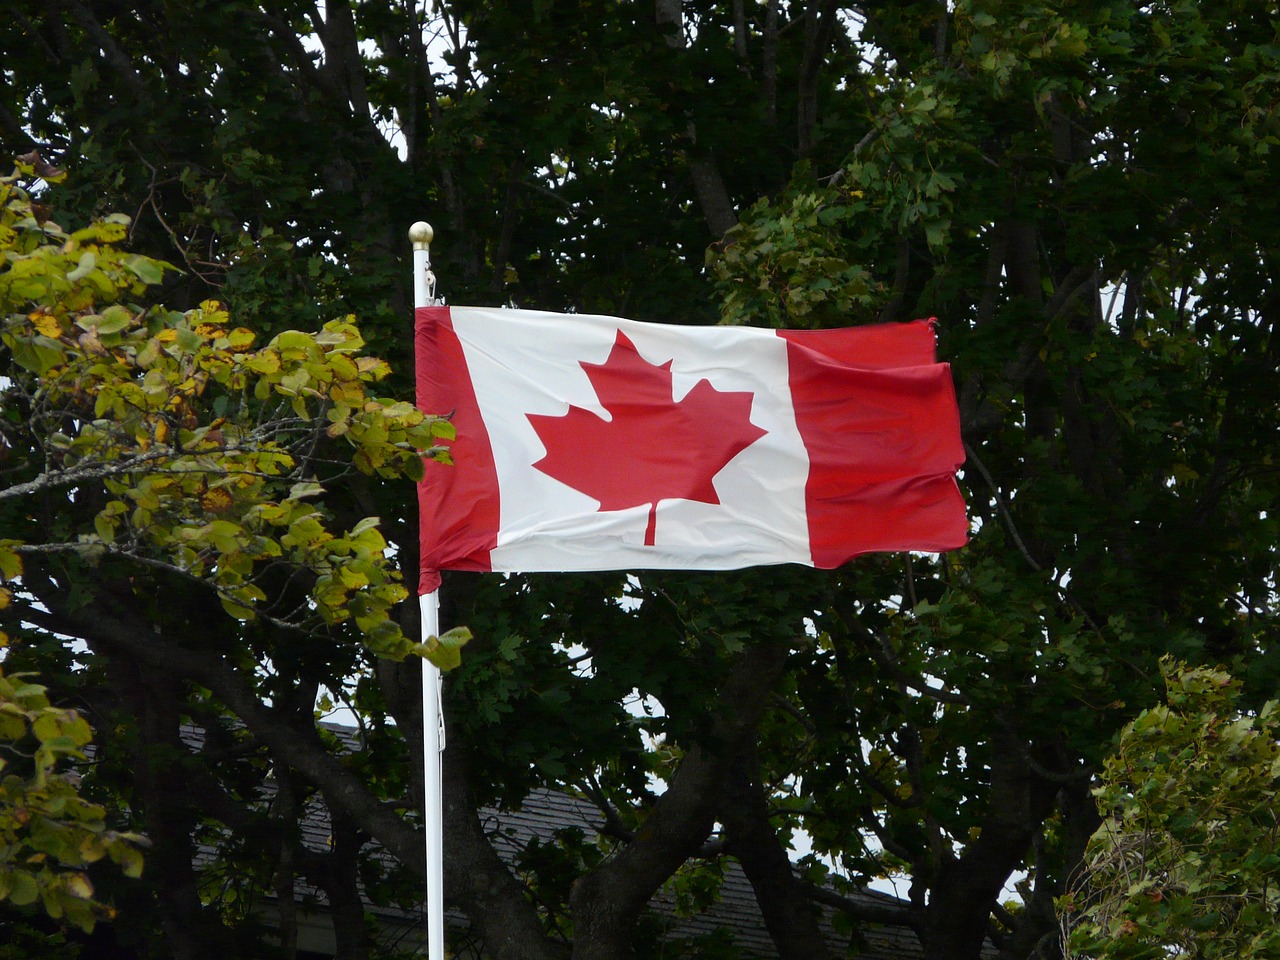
[(424, 283)]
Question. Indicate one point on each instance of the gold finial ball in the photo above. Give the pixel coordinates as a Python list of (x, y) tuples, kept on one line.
[(421, 234)]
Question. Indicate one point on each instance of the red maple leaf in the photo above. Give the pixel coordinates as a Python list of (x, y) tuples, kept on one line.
[(652, 448)]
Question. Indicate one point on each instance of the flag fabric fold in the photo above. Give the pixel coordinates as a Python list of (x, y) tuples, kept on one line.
[(596, 443)]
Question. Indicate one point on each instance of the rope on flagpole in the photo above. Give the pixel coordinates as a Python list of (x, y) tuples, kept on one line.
[(424, 295)]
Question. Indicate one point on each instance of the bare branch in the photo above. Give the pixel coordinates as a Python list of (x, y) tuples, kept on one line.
[(74, 476), (1001, 506), (900, 915), (115, 56), (97, 549)]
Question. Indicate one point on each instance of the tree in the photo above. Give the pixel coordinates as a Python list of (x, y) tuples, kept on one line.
[(1185, 861), (194, 458), (48, 833), (208, 452), (1079, 190)]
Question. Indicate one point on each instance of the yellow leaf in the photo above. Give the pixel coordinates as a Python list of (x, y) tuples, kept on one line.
[(372, 366), (343, 366), (130, 860), (350, 393), (264, 361), (213, 312), (47, 324), (216, 500), (210, 331), (10, 561), (78, 885)]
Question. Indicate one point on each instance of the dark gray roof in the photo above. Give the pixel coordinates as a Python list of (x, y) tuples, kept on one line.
[(545, 812)]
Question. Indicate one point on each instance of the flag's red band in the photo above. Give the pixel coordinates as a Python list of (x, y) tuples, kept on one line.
[(879, 422), (457, 509)]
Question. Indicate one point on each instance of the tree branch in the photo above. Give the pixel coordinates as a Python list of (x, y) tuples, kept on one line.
[(899, 915), (116, 57), (72, 476), (480, 882), (819, 20), (708, 184), (788, 913), (300, 748), (607, 900)]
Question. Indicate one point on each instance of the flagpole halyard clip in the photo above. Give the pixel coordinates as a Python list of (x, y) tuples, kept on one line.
[(420, 236), (440, 707)]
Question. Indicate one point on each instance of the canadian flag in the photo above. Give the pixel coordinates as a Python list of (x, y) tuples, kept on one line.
[(594, 443)]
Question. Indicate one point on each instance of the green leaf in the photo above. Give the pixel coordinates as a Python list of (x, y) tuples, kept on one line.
[(114, 319), (23, 888), (38, 354), (237, 610), (304, 489), (149, 271), (445, 651)]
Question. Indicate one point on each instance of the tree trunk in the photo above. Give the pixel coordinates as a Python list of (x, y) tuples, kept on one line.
[(790, 917), (608, 900)]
